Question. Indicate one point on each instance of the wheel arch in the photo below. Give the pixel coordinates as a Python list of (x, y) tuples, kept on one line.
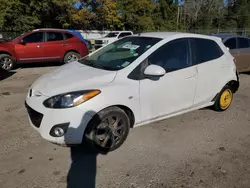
[(126, 109), (129, 113), (71, 51), (5, 52), (233, 84)]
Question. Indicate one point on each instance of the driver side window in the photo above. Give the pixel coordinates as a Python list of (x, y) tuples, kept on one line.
[(172, 56), (34, 37)]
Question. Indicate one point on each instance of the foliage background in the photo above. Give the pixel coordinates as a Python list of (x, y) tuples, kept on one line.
[(136, 15)]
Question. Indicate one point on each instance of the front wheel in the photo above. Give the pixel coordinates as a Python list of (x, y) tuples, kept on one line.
[(224, 99), (71, 56), (6, 62), (108, 130)]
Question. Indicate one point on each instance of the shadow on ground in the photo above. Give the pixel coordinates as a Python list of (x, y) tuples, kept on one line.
[(37, 65), (82, 172), (4, 74)]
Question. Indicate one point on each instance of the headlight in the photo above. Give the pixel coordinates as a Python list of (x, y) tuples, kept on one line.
[(72, 99)]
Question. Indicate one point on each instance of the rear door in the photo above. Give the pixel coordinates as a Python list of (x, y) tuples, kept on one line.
[(31, 50), (243, 58), (210, 62), (54, 45)]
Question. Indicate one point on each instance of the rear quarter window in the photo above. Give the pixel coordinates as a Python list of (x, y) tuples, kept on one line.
[(68, 36), (206, 50)]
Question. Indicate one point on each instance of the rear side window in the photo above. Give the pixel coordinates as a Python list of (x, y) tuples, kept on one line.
[(206, 50), (68, 36), (231, 43), (243, 43), (54, 36)]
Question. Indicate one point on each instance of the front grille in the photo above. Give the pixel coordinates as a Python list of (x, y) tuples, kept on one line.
[(35, 117), (98, 42)]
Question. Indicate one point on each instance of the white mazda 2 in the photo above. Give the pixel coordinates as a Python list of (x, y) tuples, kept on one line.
[(131, 82)]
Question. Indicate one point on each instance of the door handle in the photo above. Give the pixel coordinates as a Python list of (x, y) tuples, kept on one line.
[(64, 44), (38, 46)]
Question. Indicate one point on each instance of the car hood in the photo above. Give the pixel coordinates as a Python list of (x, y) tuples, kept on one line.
[(72, 77)]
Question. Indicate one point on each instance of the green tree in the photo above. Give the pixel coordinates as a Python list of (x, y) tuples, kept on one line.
[(165, 15), (19, 16), (240, 13), (107, 15), (54, 13), (137, 15), (24, 15)]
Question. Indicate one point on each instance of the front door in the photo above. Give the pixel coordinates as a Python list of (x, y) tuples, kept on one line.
[(174, 91), (31, 50)]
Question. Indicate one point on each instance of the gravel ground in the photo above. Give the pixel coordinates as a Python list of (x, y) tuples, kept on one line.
[(198, 149)]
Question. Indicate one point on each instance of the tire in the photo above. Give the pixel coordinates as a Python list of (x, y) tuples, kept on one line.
[(6, 62), (71, 56), (100, 131), (224, 99)]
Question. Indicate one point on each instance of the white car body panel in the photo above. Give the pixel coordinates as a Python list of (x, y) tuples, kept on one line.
[(62, 80), (150, 100), (162, 97)]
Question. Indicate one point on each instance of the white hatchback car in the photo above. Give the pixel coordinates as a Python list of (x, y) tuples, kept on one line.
[(134, 81)]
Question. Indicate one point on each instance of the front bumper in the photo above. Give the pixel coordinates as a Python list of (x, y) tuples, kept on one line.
[(44, 119)]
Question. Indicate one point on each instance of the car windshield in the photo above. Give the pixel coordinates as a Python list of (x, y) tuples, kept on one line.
[(113, 34), (119, 54)]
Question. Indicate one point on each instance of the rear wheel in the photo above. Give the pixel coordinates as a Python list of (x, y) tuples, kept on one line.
[(6, 62), (224, 99), (108, 130), (71, 56)]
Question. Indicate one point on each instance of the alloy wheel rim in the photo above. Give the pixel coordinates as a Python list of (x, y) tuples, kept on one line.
[(72, 58), (110, 132), (6, 63), (226, 99)]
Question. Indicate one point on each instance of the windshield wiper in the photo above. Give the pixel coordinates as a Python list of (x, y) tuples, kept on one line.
[(96, 65)]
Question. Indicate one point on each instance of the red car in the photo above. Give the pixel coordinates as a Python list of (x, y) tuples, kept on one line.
[(43, 45)]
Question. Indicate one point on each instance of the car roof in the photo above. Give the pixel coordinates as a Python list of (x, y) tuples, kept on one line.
[(164, 35), (49, 29), (119, 31), (225, 36)]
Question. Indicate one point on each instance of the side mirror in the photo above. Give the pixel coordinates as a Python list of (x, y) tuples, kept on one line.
[(155, 71)]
